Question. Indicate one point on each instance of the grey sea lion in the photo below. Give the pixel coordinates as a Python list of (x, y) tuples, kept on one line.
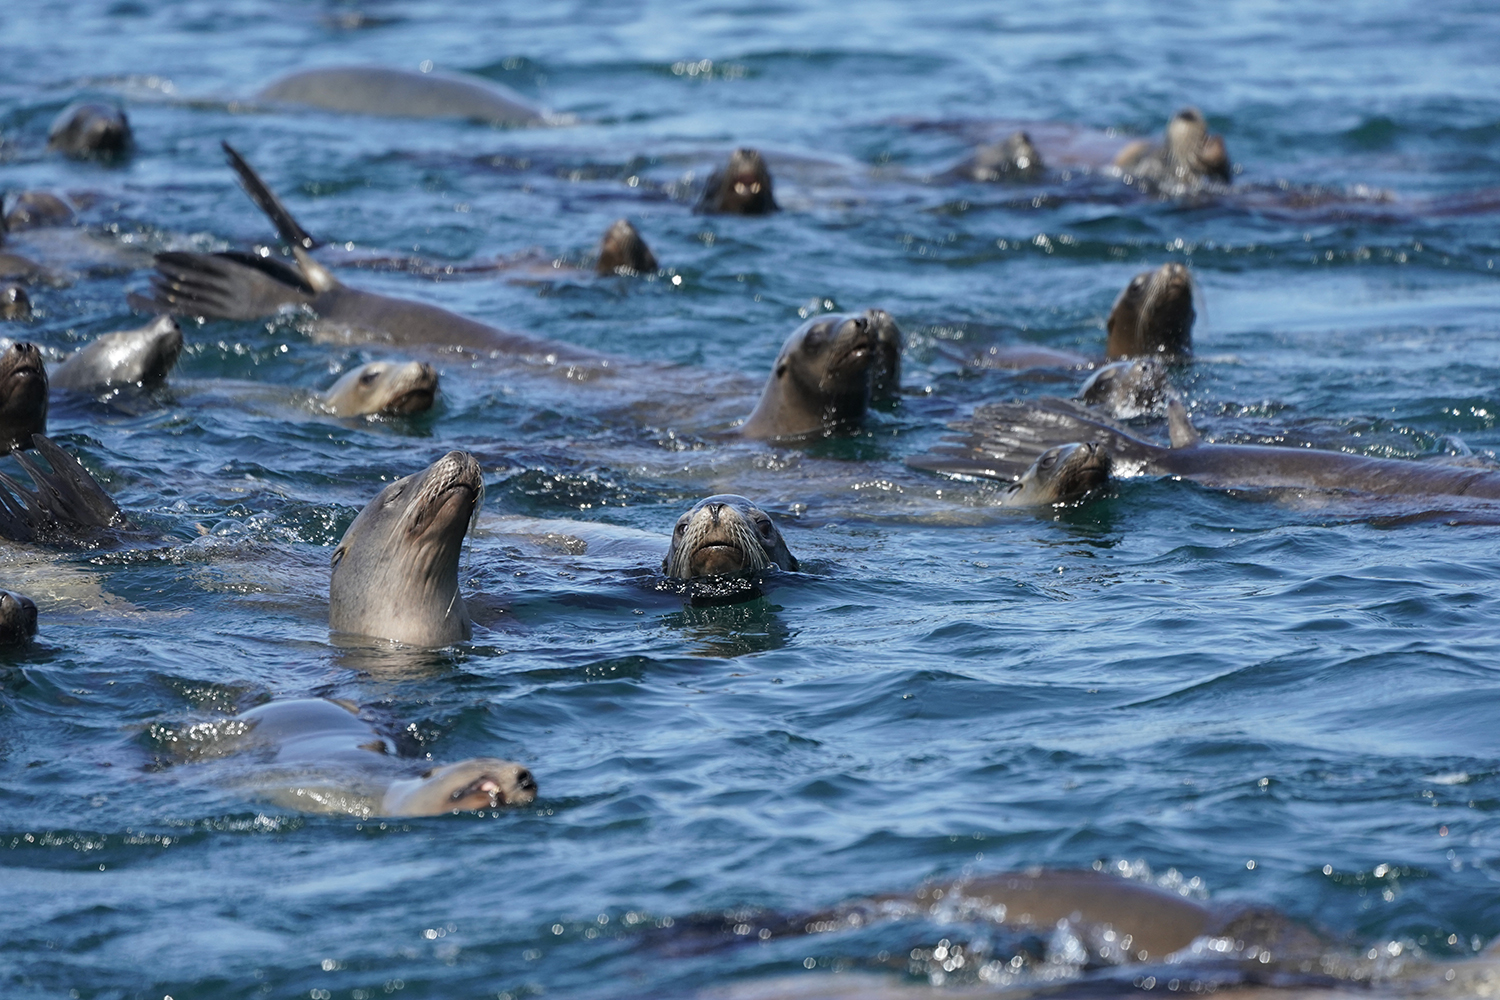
[(1153, 315), (395, 572), (1126, 389), (66, 505), (378, 90), (382, 387), (23, 396), (15, 304), (90, 130), (38, 209), (17, 619), (139, 358), (1012, 159), (1184, 160), (318, 756), (820, 383), (623, 251), (1061, 474), (725, 535), (742, 186)]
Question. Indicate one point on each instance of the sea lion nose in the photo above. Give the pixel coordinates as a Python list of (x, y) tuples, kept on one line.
[(525, 781), (714, 510)]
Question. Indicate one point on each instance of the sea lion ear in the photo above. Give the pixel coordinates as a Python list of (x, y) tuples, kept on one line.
[(1180, 427)]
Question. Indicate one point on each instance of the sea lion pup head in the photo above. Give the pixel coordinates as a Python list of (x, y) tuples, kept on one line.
[(1014, 158), (622, 251), (395, 573), (141, 358), (1126, 389), (383, 387), (15, 304), (90, 130), (37, 209), (740, 187), (1192, 152), (725, 535), (1060, 474), (477, 783), (820, 383), (1153, 316), (885, 368), (23, 396), (17, 619)]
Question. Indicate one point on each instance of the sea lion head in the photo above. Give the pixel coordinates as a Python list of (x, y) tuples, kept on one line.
[(140, 358), (820, 383), (15, 304), (1060, 474), (885, 367), (89, 130), (741, 187), (395, 572), (1154, 315), (1192, 151), (383, 387), (1126, 389), (37, 209), (1014, 158), (23, 396), (17, 619), (725, 535), (622, 251), (478, 783)]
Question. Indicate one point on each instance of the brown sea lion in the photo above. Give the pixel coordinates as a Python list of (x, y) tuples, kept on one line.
[(820, 383), (1062, 474), (89, 130), (725, 535), (390, 388), (1153, 316), (622, 251), (17, 619), (378, 90), (395, 572), (1187, 157), (1012, 159), (139, 359), (36, 210), (23, 396), (741, 187), (1127, 389)]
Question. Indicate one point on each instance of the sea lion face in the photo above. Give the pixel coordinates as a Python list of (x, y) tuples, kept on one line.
[(725, 535), (1154, 315), (17, 619), (1192, 151), (383, 387), (36, 209), (478, 783), (820, 383), (395, 573), (15, 304), (1015, 158), (622, 251), (1127, 389), (23, 396), (140, 358), (88, 130), (742, 187), (1061, 474)]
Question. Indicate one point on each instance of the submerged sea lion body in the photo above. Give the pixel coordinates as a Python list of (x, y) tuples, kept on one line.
[(1127, 389), (140, 358), (66, 505), (319, 756), (395, 572), (1012, 159), (820, 383), (17, 619), (1153, 316), (1187, 158), (15, 304), (90, 130), (23, 396), (378, 90), (382, 387), (36, 210), (623, 251), (741, 187)]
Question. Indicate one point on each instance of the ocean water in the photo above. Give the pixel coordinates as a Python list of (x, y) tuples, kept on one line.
[(1293, 698)]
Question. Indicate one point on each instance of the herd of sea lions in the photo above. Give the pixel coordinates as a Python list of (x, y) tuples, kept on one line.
[(394, 574)]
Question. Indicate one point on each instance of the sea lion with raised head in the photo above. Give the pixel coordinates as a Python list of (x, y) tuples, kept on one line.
[(820, 383), (386, 388), (623, 251), (1153, 316), (1127, 389), (319, 756), (742, 186), (1187, 158), (1012, 159), (725, 535), (66, 505), (17, 619), (23, 396), (396, 93), (395, 572), (140, 358), (90, 130), (15, 304), (37, 210)]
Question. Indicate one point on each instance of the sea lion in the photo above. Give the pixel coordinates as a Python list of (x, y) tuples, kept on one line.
[(1061, 475), (388, 388), (17, 619), (15, 304), (395, 572), (885, 368), (1012, 159), (1126, 389), (89, 130), (37, 210), (622, 251), (725, 535), (378, 90), (23, 396), (741, 187), (1153, 315), (139, 358), (317, 755), (1187, 158), (820, 383), (66, 506)]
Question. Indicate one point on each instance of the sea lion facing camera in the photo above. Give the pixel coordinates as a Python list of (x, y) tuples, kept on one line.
[(1153, 316), (725, 535), (23, 396), (623, 251), (820, 383), (390, 388), (741, 187), (17, 619), (395, 572), (379, 90), (89, 130), (141, 358), (1187, 158)]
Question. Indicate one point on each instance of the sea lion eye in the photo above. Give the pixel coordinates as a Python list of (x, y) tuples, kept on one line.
[(781, 370), (764, 524), (681, 528), (369, 377)]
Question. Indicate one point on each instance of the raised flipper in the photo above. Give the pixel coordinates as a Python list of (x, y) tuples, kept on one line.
[(265, 199), (1180, 426), (66, 501), (229, 285)]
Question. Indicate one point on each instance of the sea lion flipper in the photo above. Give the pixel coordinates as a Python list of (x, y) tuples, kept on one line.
[(68, 492), (265, 199), (229, 285), (19, 513), (1180, 427)]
